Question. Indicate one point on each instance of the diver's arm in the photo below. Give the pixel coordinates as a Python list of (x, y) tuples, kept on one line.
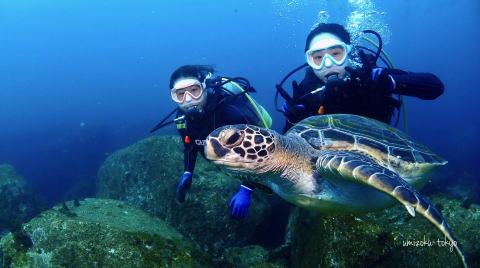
[(189, 151), (189, 157), (426, 86)]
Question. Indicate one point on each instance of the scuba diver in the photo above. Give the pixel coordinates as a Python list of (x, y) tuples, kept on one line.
[(204, 104), (333, 84)]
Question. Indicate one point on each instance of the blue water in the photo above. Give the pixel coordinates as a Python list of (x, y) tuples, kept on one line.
[(81, 79)]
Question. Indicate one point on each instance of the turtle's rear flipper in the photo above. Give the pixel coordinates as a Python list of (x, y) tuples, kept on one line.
[(357, 167)]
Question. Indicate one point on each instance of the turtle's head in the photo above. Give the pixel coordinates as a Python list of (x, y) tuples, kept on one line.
[(242, 148)]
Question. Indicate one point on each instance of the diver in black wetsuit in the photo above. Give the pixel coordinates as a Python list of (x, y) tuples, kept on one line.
[(206, 103), (332, 85)]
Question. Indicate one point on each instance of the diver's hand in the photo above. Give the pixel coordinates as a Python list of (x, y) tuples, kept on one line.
[(293, 113), (381, 80), (184, 186), (335, 90), (240, 202), (377, 80), (358, 76), (370, 77)]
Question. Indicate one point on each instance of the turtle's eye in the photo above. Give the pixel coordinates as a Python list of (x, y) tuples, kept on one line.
[(233, 138)]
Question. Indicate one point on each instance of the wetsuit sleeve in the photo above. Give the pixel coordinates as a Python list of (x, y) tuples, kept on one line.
[(189, 152), (189, 157), (426, 86)]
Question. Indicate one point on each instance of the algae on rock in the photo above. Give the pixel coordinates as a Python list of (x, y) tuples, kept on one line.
[(99, 233), (380, 239), (244, 257)]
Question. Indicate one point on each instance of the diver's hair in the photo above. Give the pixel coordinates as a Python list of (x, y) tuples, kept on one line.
[(199, 72), (332, 28)]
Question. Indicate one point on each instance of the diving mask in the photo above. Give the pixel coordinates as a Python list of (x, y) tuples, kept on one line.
[(326, 51), (187, 90)]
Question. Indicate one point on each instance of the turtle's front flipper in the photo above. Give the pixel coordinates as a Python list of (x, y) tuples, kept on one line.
[(357, 167)]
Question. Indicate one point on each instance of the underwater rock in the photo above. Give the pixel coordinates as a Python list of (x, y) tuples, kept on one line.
[(18, 202), (146, 174), (381, 239), (99, 233), (244, 257)]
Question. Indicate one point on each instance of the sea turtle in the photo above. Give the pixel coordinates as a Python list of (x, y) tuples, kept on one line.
[(334, 163)]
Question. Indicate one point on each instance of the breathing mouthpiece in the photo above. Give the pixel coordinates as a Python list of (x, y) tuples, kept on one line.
[(332, 77), (193, 112)]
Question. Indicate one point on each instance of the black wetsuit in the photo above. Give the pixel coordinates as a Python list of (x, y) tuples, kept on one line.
[(221, 109), (360, 98)]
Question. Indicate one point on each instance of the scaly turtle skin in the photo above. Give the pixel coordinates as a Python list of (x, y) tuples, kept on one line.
[(335, 164)]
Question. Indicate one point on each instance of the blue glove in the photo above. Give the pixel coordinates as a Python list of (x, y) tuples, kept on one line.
[(382, 80), (241, 202), (184, 186)]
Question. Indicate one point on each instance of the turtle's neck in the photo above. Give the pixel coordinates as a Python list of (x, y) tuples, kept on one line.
[(292, 158)]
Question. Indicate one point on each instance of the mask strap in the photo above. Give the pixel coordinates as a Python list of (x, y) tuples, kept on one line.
[(204, 84)]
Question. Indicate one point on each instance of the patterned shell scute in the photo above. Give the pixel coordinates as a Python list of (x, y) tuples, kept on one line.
[(351, 132)]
